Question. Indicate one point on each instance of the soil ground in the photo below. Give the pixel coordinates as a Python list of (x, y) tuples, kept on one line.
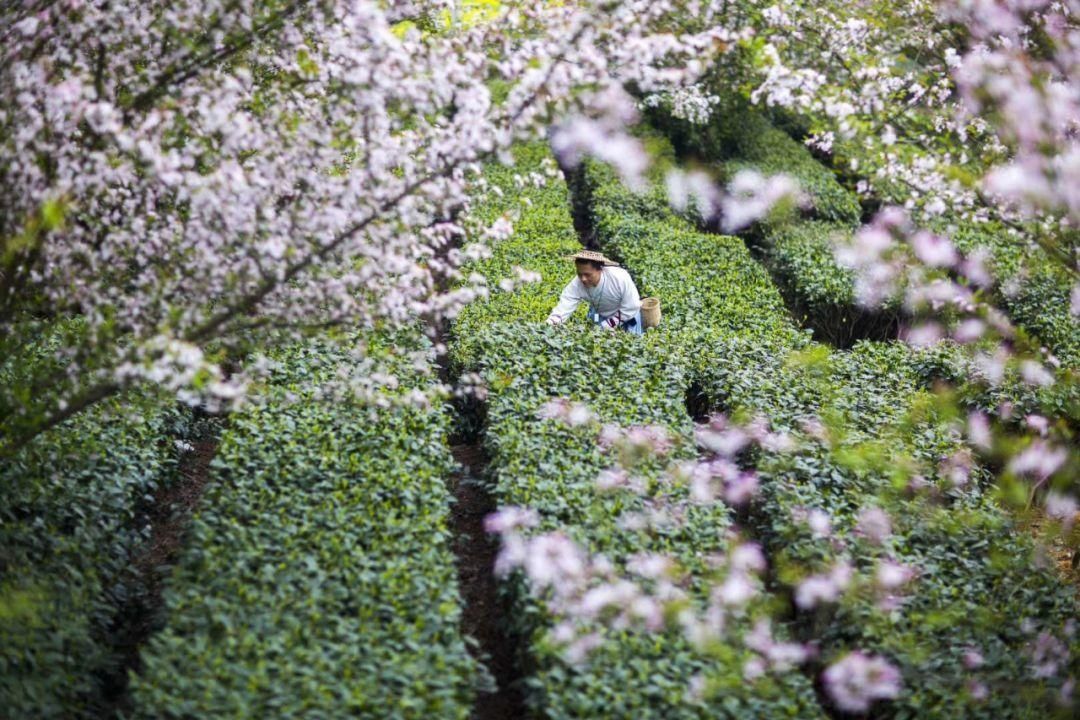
[(168, 517), (1051, 540), (484, 612)]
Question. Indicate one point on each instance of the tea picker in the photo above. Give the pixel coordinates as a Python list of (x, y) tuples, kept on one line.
[(609, 291)]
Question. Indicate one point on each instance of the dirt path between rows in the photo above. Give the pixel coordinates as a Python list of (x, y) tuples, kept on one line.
[(484, 611), (168, 516)]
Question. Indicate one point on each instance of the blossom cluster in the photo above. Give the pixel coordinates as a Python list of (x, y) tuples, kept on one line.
[(248, 172), (692, 103), (650, 592), (749, 196), (890, 257)]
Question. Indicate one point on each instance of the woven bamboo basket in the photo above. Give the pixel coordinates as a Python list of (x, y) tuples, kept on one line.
[(650, 312)]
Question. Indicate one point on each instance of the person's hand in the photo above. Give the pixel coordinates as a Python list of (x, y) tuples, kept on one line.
[(611, 323), (553, 320)]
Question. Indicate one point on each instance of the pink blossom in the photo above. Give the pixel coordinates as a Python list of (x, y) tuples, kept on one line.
[(691, 103), (874, 524), (555, 408), (649, 611), (1048, 655), (510, 518), (934, 250), (753, 669), (1065, 694), (1038, 423), (706, 628), (778, 442), (609, 435), (825, 588), (937, 294), (815, 590), (1039, 460), (857, 680), (977, 690), (916, 484), (579, 415), (872, 241), (611, 479), (1021, 184), (736, 590), (813, 427), (973, 659), (956, 468), (573, 414), (724, 441), (978, 430), (1063, 507), (563, 632), (1006, 410), (501, 229), (512, 554), (103, 118), (781, 656), (684, 187), (973, 267), (577, 651), (1034, 373), (650, 439), (597, 599), (28, 26), (525, 276), (819, 522), (603, 137), (702, 488), (748, 557), (992, 367), (741, 489), (892, 575), (650, 565), (760, 637), (969, 330), (751, 196), (552, 559)]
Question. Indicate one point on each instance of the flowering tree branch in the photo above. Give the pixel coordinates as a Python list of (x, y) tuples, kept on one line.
[(193, 178)]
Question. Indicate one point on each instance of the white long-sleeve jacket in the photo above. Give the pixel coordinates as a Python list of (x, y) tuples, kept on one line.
[(615, 295)]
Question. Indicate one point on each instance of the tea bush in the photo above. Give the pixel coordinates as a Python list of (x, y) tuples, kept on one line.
[(543, 235), (819, 291), (318, 581), (1032, 289), (552, 468), (71, 520), (976, 576), (741, 137), (799, 254), (709, 285)]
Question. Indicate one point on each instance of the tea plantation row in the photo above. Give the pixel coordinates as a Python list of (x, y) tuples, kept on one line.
[(1030, 288), (552, 468), (72, 520), (977, 587), (800, 255), (318, 581)]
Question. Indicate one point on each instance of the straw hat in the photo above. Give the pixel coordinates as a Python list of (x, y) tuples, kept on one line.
[(594, 256)]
